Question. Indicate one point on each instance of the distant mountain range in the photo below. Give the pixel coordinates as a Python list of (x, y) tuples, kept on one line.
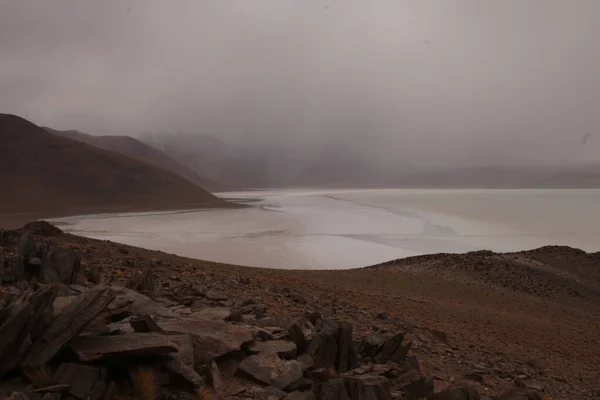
[(44, 174)]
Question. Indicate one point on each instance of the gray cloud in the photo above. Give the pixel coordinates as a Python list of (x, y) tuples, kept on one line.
[(443, 81)]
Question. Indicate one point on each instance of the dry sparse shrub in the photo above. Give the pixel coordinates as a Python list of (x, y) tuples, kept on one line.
[(145, 386), (40, 376)]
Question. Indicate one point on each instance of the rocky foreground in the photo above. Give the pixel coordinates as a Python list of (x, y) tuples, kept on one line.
[(72, 328)]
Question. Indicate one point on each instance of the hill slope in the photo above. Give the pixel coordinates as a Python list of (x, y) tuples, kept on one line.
[(47, 175), (138, 150)]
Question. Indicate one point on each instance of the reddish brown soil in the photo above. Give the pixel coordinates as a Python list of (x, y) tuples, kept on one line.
[(462, 312), (46, 175)]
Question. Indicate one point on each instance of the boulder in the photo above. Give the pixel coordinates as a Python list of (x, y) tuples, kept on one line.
[(302, 332), (324, 346), (213, 376), (216, 313), (393, 350), (61, 265), (269, 369), (211, 339), (214, 295)]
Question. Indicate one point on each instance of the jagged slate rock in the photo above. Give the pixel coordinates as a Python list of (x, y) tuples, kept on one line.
[(27, 247), (306, 361), (352, 357), (302, 332), (129, 302), (145, 324), (42, 302), (324, 346), (39, 318), (259, 312), (419, 389), (283, 348), (457, 393), (300, 385), (368, 387), (51, 396), (333, 389), (95, 328), (61, 265), (213, 376), (91, 348), (371, 345), (389, 348), (235, 316), (18, 396), (214, 295), (67, 325), (216, 313), (110, 392), (212, 339), (298, 395), (318, 374), (343, 362), (269, 393), (182, 362), (520, 394), (246, 302), (13, 320), (269, 369), (97, 391), (80, 378)]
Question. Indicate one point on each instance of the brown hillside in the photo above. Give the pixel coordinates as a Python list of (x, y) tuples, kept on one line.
[(138, 150), (44, 174)]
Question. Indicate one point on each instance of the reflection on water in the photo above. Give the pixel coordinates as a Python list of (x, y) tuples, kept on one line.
[(323, 229)]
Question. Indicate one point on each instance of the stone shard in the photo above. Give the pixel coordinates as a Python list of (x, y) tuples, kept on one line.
[(67, 326), (269, 369), (91, 348)]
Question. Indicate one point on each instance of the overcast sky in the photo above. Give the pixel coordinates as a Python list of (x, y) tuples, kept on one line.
[(447, 80)]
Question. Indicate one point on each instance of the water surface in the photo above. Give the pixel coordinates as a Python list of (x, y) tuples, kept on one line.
[(327, 229)]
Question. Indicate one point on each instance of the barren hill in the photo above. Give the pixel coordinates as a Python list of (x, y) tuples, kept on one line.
[(138, 150), (553, 272), (47, 175)]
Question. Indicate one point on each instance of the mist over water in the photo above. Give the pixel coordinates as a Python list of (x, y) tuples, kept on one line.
[(427, 83), (333, 229)]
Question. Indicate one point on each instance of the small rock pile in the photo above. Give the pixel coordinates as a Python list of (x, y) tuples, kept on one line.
[(65, 335)]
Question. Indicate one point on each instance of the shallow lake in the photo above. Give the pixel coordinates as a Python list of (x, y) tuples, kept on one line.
[(330, 229)]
